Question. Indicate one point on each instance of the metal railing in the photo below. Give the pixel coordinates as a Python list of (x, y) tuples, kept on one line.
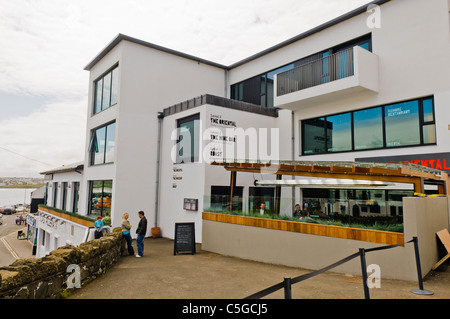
[(287, 283), (327, 69)]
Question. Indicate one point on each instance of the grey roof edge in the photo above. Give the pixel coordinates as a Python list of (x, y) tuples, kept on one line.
[(121, 37), (219, 101), (65, 168), (303, 35), (310, 32)]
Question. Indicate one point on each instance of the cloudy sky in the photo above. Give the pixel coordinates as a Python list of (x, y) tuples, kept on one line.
[(45, 44)]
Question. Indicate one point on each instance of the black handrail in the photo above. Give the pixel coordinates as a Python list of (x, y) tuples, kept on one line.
[(287, 282)]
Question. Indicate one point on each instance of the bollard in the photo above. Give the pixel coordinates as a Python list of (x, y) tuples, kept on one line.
[(362, 255), (419, 291), (287, 288)]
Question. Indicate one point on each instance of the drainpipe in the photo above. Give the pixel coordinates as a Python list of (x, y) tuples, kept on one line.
[(158, 160), (293, 155)]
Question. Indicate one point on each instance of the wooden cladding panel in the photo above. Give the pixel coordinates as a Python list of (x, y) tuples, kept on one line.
[(369, 235)]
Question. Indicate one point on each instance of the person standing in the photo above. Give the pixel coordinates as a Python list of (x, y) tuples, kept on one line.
[(98, 225), (140, 231), (126, 227)]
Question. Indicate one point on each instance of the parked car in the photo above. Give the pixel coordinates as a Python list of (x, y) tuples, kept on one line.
[(8, 210), (20, 208), (1, 222)]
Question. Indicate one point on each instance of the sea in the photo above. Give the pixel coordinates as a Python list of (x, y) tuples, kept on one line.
[(14, 196)]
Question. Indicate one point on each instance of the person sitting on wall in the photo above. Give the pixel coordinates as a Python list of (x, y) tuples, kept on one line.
[(98, 225)]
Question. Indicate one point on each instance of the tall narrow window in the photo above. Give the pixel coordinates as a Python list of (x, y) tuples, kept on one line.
[(188, 139), (75, 196), (102, 144), (106, 90), (64, 195)]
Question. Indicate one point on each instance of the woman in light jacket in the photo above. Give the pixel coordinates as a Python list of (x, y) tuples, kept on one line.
[(126, 227)]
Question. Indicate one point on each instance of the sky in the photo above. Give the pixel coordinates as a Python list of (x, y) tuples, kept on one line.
[(45, 45)]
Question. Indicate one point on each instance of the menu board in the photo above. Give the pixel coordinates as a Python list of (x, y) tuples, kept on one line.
[(184, 238)]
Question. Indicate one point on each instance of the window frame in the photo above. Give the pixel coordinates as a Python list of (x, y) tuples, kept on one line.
[(91, 144), (111, 71), (194, 157), (422, 124)]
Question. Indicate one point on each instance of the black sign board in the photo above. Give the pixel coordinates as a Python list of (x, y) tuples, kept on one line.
[(184, 238)]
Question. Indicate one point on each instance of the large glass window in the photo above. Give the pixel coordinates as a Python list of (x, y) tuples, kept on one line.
[(314, 137), (220, 198), (368, 128), (402, 124), (106, 89), (188, 139), (339, 128), (261, 195), (102, 144), (394, 125), (100, 197)]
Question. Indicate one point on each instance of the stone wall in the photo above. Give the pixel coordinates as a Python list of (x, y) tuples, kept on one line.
[(46, 277)]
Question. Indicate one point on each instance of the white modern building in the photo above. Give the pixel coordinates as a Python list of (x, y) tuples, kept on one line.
[(371, 85)]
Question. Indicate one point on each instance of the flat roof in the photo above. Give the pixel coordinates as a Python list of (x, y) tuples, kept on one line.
[(79, 166), (120, 37), (220, 101)]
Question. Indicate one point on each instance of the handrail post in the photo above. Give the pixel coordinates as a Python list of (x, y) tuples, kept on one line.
[(419, 291), (362, 255), (287, 288)]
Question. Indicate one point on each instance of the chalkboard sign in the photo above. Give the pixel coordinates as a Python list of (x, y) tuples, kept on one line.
[(184, 238)]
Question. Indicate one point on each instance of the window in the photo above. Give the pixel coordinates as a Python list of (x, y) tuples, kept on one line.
[(368, 128), (261, 195), (100, 197), (220, 198), (101, 146), (55, 194), (188, 130), (76, 196), (64, 195), (400, 124), (106, 89), (339, 133)]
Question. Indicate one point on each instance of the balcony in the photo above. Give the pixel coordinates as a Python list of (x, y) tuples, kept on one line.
[(324, 80)]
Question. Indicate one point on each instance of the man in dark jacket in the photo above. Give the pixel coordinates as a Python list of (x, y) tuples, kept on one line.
[(140, 231)]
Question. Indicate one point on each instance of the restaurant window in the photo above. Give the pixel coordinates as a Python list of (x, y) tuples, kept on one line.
[(220, 198), (100, 197), (102, 144), (188, 139), (106, 90), (261, 195), (409, 123)]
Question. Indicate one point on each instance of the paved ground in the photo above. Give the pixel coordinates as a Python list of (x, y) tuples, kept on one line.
[(161, 275)]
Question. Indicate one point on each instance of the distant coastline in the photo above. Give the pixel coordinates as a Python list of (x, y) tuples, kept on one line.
[(22, 186)]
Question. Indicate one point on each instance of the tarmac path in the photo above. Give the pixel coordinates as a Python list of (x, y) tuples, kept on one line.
[(205, 275)]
